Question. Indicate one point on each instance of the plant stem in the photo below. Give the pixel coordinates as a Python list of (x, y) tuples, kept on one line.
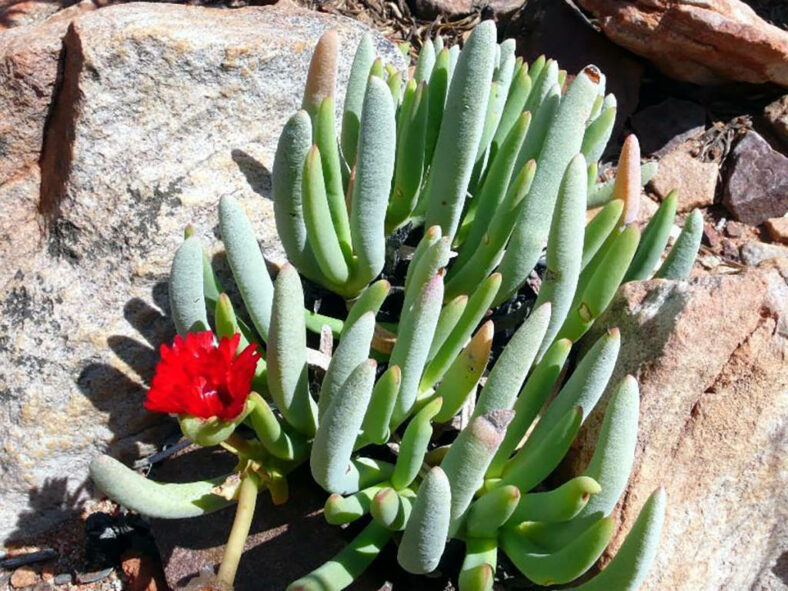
[(315, 322), (247, 498), (239, 446)]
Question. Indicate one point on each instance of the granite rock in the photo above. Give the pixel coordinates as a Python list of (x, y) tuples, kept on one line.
[(695, 180), (125, 124), (713, 424)]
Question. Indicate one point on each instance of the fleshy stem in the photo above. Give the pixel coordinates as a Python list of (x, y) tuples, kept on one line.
[(247, 498)]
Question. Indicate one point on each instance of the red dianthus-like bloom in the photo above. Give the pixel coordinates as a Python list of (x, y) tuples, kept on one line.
[(199, 379)]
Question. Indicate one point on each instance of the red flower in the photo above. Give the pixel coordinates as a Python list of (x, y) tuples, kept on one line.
[(199, 379)]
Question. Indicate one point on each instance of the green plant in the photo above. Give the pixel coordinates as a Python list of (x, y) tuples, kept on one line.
[(456, 150)]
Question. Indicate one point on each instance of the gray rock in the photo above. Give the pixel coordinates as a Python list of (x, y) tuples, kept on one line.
[(668, 124), (161, 109), (754, 253), (709, 354), (757, 186)]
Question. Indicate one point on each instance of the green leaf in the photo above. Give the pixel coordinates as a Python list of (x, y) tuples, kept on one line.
[(345, 567), (336, 434), (291, 152), (584, 387), (564, 565), (513, 364), (187, 301), (326, 141), (654, 239), (461, 130), (469, 457), (534, 463), (678, 263), (353, 349), (603, 192), (428, 527), (374, 170), (354, 97), (599, 228), (560, 504), (340, 510), (247, 264), (416, 330), (532, 397), (321, 233), (155, 499), (478, 304), (478, 568), (562, 143), (414, 445), (629, 567), (436, 98), (288, 382), (487, 514), (602, 286), (375, 427), (462, 377), (564, 248)]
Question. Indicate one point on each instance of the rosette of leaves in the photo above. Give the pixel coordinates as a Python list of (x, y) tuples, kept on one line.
[(500, 188), (475, 141)]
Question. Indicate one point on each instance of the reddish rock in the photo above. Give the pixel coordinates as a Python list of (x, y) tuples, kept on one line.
[(142, 572), (757, 184), (709, 42), (695, 181), (24, 577), (777, 228), (710, 356)]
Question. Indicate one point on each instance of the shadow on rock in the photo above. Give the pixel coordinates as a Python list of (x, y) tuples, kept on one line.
[(257, 175), (121, 394), (52, 499)]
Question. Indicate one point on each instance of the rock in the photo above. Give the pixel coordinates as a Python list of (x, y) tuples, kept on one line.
[(286, 541), (24, 576), (666, 125), (757, 184), (754, 253), (709, 42), (557, 30), (25, 12), (713, 423), (159, 110), (142, 572), (695, 181), (778, 229), (776, 115), (449, 9)]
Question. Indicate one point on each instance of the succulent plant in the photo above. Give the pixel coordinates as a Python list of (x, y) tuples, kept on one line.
[(497, 161)]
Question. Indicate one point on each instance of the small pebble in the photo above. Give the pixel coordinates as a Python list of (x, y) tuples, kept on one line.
[(92, 577), (63, 579), (24, 577)]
